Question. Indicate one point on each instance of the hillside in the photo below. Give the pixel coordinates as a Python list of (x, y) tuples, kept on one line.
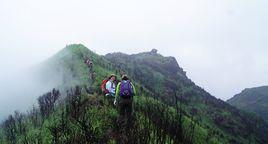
[(169, 107), (252, 100), (164, 78)]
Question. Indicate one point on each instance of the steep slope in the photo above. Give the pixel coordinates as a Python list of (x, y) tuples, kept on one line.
[(252, 100), (165, 79), (67, 68), (170, 107), (78, 117)]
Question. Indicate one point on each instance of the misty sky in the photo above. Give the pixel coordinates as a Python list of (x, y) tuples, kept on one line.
[(222, 44)]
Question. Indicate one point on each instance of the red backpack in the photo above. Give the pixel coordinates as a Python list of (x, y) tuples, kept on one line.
[(103, 86)]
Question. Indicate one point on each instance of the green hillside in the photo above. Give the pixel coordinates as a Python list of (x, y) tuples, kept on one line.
[(164, 78), (169, 107), (253, 100)]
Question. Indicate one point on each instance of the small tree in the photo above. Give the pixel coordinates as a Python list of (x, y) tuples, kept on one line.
[(18, 118), (10, 129), (47, 102)]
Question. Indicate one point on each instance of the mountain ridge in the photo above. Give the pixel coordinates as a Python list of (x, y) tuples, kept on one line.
[(253, 100), (162, 79), (192, 95)]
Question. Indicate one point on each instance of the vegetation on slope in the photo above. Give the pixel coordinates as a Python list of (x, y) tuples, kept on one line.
[(84, 118), (164, 78), (253, 100), (170, 108)]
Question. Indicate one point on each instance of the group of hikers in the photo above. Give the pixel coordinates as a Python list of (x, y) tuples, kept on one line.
[(119, 93), (89, 64)]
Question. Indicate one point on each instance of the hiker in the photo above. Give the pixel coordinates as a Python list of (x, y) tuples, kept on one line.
[(111, 85), (125, 91), (88, 62), (108, 86)]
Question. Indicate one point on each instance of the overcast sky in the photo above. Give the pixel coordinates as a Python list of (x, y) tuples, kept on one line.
[(222, 44)]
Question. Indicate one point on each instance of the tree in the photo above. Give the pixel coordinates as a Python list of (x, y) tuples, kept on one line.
[(18, 119), (10, 129), (47, 102)]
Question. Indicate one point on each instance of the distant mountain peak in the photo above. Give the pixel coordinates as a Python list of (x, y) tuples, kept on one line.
[(252, 100)]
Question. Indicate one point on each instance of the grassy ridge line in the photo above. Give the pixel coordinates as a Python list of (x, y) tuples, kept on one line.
[(230, 124), (71, 62), (103, 68), (66, 60)]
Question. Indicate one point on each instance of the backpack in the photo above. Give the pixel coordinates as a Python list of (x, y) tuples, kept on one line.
[(103, 86), (126, 90)]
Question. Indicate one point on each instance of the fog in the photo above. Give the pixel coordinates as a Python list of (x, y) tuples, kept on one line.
[(222, 44), (19, 91)]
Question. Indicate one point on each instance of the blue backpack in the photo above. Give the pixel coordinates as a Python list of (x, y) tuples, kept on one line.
[(126, 90)]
